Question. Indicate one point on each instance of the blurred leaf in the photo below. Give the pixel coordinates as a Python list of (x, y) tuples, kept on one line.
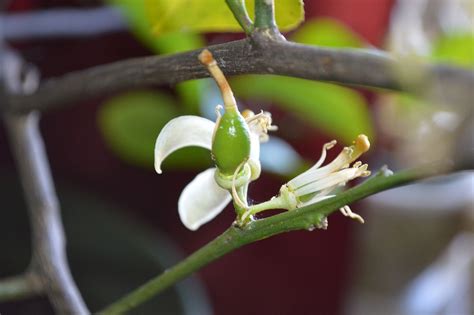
[(135, 12), (141, 26), (131, 122), (327, 32), (162, 16), (336, 110), (178, 42), (456, 49), (190, 94)]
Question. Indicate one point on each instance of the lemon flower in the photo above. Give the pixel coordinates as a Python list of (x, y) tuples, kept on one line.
[(317, 183), (210, 191), (234, 141), (203, 199)]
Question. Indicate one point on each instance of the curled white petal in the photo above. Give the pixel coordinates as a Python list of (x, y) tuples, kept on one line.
[(201, 200), (180, 132)]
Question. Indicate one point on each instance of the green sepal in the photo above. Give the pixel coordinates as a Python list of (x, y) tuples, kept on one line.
[(231, 143)]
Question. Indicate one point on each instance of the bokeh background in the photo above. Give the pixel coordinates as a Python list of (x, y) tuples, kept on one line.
[(415, 253)]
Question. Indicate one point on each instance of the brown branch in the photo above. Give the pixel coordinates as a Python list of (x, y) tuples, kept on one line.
[(49, 258), (49, 262), (257, 55)]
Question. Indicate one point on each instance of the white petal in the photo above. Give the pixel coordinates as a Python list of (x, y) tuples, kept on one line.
[(182, 132), (201, 200)]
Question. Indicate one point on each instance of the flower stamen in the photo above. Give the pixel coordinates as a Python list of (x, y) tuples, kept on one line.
[(326, 147), (260, 123), (318, 183), (346, 211), (235, 195)]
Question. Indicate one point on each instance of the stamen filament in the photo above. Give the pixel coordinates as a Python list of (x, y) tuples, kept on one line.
[(346, 211), (235, 195), (326, 147)]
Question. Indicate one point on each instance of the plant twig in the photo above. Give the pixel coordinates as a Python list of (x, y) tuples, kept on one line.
[(304, 218), (240, 13), (265, 14), (49, 262), (20, 287), (369, 68), (49, 258)]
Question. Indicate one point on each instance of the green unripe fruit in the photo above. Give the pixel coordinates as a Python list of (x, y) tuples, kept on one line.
[(231, 143)]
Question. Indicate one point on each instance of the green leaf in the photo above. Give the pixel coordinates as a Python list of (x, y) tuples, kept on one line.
[(327, 32), (164, 16), (336, 110), (455, 49), (131, 122), (135, 12)]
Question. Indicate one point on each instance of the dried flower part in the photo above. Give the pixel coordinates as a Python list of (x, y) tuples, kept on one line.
[(259, 126), (260, 123)]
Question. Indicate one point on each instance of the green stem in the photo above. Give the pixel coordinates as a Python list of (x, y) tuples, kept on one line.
[(274, 203), (265, 14), (235, 237), (220, 246), (240, 13)]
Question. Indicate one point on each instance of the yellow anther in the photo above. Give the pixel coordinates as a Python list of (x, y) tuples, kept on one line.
[(362, 143)]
